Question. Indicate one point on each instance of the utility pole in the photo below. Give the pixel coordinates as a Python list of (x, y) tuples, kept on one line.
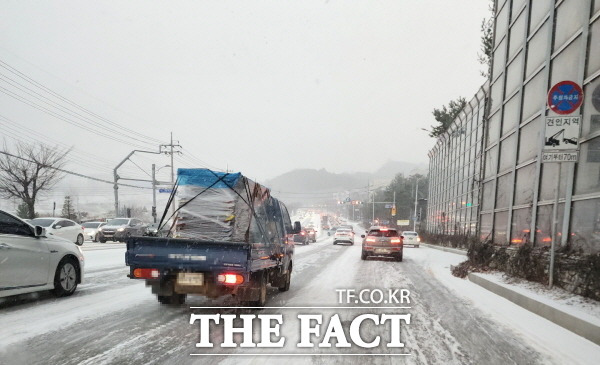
[(171, 146), (154, 192), (394, 209)]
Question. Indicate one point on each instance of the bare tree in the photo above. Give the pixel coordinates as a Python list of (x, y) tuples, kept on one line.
[(30, 170)]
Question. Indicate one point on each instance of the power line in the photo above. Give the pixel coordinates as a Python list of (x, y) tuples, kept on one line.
[(61, 117), (74, 173), (64, 99)]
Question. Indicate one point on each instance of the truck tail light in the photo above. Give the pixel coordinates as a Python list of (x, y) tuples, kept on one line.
[(230, 279), (370, 239), (146, 273), (395, 240)]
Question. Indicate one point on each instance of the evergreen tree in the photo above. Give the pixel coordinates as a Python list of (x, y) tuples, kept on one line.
[(23, 211), (446, 115), (487, 42), (68, 211)]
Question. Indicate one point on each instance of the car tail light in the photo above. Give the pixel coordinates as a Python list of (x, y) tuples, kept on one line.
[(418, 239), (230, 279), (371, 239), (396, 240), (383, 229), (146, 273), (302, 233)]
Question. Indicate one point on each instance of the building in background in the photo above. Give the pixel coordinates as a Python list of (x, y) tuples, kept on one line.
[(537, 44)]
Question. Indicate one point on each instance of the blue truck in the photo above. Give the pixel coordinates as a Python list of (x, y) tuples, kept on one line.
[(229, 236)]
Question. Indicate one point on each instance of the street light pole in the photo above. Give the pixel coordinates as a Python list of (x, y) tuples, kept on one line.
[(415, 212), (154, 192), (116, 177)]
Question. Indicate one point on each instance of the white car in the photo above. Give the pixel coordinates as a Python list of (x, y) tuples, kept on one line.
[(61, 227), (411, 238), (33, 262), (343, 235), (90, 230)]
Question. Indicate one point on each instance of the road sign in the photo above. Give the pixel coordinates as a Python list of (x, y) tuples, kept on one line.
[(348, 200), (165, 190), (557, 156), (565, 97), (393, 211), (403, 222), (561, 139), (388, 206)]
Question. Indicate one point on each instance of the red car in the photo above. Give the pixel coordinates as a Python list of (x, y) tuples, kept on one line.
[(301, 237)]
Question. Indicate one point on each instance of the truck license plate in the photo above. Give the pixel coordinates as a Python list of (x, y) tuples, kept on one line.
[(382, 250), (186, 278)]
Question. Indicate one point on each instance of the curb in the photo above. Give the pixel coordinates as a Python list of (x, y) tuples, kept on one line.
[(447, 249), (574, 324)]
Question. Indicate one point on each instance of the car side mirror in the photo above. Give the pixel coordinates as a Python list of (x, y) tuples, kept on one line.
[(402, 237), (39, 231), (362, 236), (297, 227)]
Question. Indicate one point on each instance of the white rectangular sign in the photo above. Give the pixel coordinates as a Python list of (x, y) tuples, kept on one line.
[(558, 156), (403, 222), (562, 133)]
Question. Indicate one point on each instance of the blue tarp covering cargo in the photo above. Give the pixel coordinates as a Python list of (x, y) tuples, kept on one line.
[(226, 207)]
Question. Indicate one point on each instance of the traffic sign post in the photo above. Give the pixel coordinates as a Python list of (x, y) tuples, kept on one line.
[(565, 97), (561, 139), (561, 142)]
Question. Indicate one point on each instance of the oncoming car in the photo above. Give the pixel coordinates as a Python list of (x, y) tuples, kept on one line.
[(33, 262), (382, 241)]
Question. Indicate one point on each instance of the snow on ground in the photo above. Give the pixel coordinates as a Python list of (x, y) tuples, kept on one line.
[(112, 319), (576, 305), (556, 343), (102, 256)]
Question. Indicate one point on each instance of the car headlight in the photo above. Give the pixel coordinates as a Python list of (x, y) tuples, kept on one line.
[(120, 229)]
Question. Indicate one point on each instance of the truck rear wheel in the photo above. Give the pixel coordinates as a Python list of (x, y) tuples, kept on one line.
[(288, 279), (260, 282), (175, 299)]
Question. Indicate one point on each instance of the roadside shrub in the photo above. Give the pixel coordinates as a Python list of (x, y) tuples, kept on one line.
[(591, 276), (528, 263), (480, 254)]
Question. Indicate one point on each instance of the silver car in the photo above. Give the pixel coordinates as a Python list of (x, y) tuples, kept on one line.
[(119, 229), (33, 262)]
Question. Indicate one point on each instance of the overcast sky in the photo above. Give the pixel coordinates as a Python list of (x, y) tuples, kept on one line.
[(262, 87)]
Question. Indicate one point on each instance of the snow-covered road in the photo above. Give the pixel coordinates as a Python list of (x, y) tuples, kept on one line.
[(114, 320)]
